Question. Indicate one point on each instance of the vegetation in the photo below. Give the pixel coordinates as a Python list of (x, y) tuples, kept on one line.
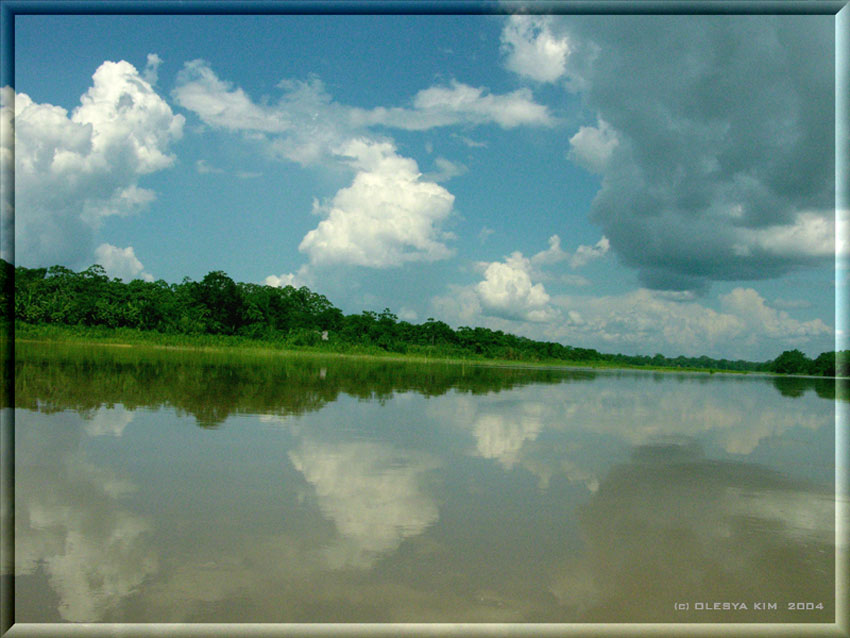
[(213, 385), (827, 364), (219, 310)]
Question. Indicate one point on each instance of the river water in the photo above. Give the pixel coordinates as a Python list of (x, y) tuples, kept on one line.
[(176, 486)]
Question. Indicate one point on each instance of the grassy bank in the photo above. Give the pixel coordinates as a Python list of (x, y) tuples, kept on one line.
[(129, 337)]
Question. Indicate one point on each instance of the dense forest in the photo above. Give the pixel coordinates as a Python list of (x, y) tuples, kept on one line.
[(292, 317)]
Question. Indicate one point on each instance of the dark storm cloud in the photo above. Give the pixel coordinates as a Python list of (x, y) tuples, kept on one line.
[(723, 167)]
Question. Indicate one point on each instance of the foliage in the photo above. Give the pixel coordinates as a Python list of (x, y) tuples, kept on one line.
[(217, 306), (827, 364), (214, 385)]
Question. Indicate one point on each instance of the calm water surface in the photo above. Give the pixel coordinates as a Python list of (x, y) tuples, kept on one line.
[(157, 486)]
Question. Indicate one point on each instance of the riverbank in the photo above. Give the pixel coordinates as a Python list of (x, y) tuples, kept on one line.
[(129, 338)]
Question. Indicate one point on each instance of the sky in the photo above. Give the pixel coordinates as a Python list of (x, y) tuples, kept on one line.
[(634, 184)]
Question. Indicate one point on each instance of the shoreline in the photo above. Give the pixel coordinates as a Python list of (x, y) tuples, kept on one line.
[(127, 338), (270, 349)]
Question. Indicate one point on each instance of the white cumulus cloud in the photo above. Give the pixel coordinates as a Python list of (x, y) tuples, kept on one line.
[(151, 72), (508, 291), (592, 146), (302, 278), (121, 262), (512, 289), (581, 257), (72, 522), (73, 170), (585, 254), (374, 500), (532, 50), (762, 319), (501, 436), (386, 217), (641, 321)]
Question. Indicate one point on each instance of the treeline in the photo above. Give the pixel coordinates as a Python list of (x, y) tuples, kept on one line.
[(827, 364), (292, 317)]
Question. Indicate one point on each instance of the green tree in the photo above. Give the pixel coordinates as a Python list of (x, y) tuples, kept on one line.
[(824, 365), (791, 362), (222, 299), (7, 290)]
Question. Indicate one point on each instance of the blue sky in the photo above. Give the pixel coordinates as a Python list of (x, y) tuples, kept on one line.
[(635, 184)]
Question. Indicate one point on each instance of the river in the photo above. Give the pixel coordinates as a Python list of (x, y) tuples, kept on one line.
[(178, 486)]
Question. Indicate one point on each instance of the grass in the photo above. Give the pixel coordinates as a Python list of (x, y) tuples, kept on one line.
[(129, 337)]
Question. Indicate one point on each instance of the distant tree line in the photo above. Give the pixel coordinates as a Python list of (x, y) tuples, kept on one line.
[(217, 305), (826, 364)]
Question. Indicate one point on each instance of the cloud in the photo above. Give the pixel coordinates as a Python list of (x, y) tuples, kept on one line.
[(72, 523), (296, 280), (511, 289), (220, 105), (762, 319), (387, 216), (72, 171), (375, 495), (716, 163), (842, 233), (406, 314), (532, 50), (150, 74), (582, 256), (551, 255), (460, 103), (466, 141), (203, 167), (809, 235), (484, 233), (508, 291), (644, 319), (640, 321), (574, 280), (791, 304), (506, 430), (445, 170), (592, 147), (109, 421), (501, 436), (305, 125), (391, 213), (461, 305), (122, 202), (585, 254), (7, 174), (121, 262), (726, 521)]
